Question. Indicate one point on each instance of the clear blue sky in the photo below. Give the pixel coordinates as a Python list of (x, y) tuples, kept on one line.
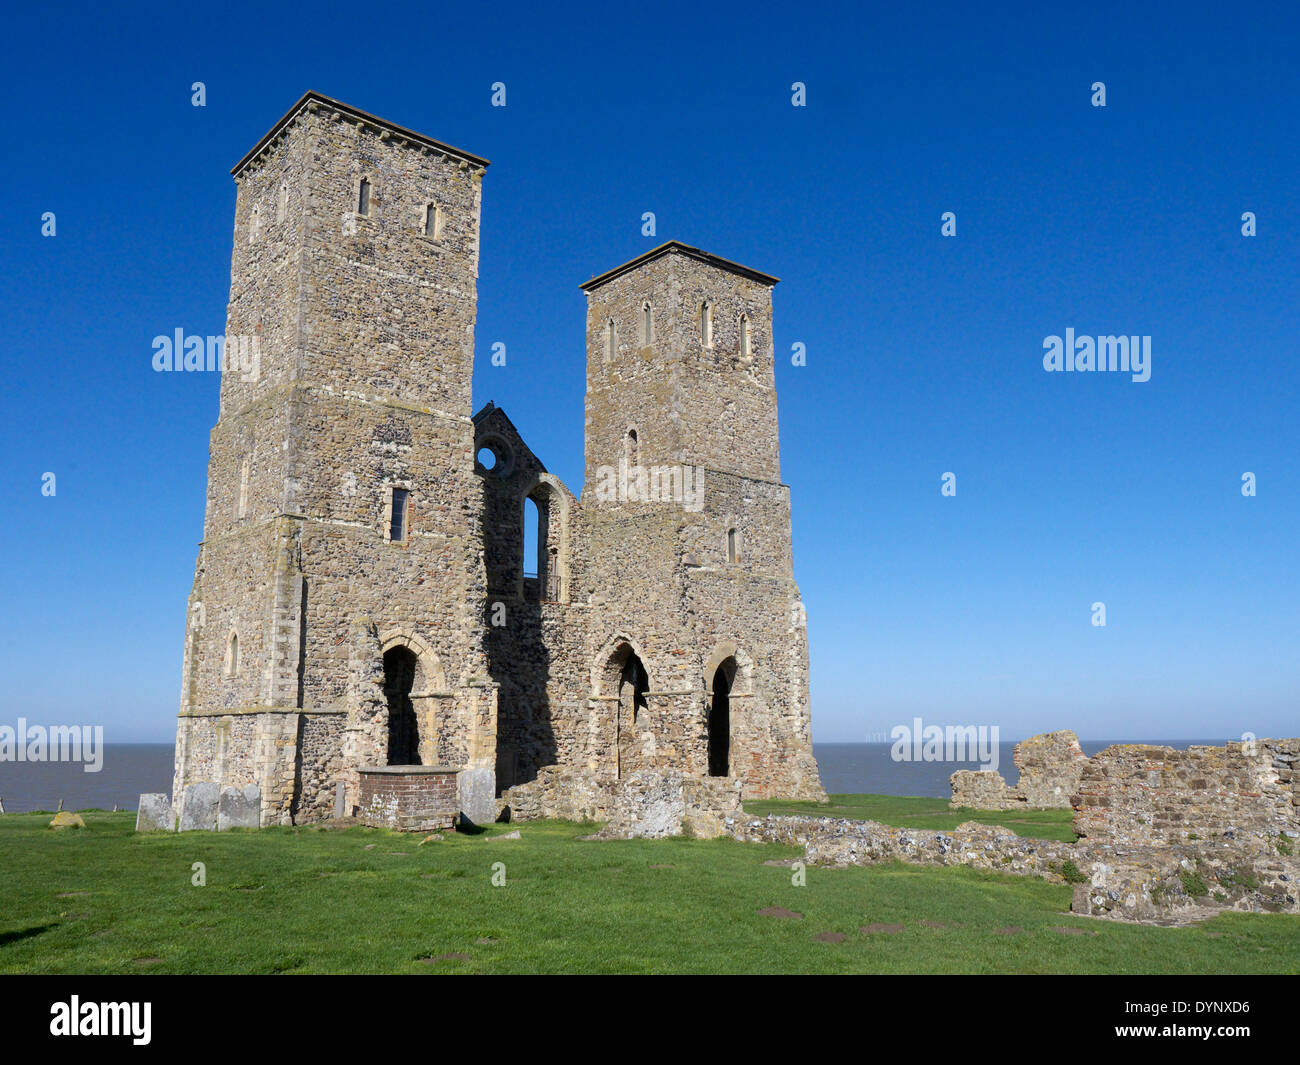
[(924, 352)]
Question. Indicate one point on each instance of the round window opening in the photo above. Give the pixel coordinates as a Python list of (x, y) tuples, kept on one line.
[(493, 456)]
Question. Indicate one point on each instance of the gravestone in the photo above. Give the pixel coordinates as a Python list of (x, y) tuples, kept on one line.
[(477, 795), (155, 814), (239, 808), (199, 807)]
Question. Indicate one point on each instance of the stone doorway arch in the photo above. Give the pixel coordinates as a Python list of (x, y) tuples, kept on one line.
[(413, 681)]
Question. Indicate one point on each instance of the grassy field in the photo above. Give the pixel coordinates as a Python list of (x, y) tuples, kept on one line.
[(105, 900), (915, 812)]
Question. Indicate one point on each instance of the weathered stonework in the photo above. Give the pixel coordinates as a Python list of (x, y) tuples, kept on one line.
[(1050, 766), (1136, 794), (1146, 884), (361, 597), (1165, 836)]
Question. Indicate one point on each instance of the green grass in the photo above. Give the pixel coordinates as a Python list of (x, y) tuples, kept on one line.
[(105, 900), (914, 812)]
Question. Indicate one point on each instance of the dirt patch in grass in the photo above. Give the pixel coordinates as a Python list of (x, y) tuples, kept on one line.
[(779, 911), (830, 937), (881, 929)]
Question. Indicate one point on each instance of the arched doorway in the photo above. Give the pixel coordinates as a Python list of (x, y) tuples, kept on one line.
[(720, 719), (403, 730), (633, 683)]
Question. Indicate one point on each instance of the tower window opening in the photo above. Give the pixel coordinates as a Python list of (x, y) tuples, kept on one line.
[(706, 324), (398, 515), (363, 197), (746, 339)]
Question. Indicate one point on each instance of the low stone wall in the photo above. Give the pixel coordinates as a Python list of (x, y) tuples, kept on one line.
[(1137, 794), (1145, 884), (833, 841), (1050, 766), (645, 804), (980, 790), (409, 798)]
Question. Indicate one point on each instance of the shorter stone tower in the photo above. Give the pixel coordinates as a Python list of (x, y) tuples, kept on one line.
[(688, 525)]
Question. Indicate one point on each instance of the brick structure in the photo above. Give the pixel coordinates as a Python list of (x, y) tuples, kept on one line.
[(361, 596), (410, 798)]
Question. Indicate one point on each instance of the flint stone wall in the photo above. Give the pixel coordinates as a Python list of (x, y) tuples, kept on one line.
[(1144, 884), (1050, 766), (1146, 795), (646, 804)]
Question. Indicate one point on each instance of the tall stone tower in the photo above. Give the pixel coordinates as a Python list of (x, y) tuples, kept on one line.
[(336, 614), (689, 552)]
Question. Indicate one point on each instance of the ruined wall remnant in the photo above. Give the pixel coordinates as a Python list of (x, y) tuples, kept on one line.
[(1160, 884), (1049, 766), (1137, 794), (645, 804)]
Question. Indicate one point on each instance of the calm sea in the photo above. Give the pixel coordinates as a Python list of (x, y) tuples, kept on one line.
[(131, 769)]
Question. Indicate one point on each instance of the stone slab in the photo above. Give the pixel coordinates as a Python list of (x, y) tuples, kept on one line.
[(477, 789), (239, 808), (199, 807), (155, 813)]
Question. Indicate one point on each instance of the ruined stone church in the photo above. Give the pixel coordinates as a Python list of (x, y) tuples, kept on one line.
[(364, 606)]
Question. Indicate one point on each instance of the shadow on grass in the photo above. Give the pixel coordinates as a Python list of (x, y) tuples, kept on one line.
[(27, 933)]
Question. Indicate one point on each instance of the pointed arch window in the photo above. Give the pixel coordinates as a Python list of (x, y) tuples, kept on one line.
[(232, 655)]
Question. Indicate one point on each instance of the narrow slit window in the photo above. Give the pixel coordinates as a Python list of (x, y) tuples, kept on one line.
[(647, 324), (282, 205), (706, 324), (232, 655), (611, 344), (746, 339), (397, 523), (254, 225), (733, 545), (363, 197), (433, 221)]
